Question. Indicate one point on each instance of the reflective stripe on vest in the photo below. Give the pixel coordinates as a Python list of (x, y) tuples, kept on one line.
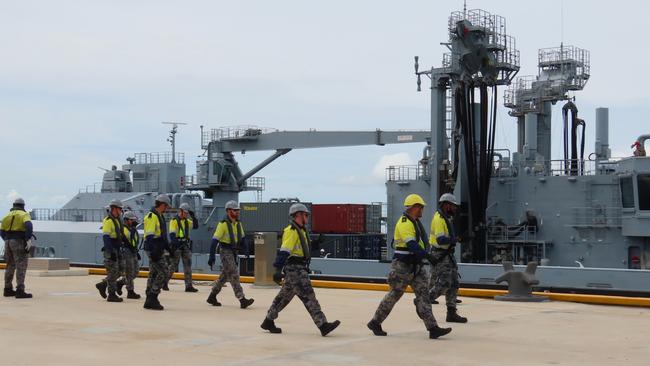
[(231, 233), (183, 232), (420, 236), (304, 244)]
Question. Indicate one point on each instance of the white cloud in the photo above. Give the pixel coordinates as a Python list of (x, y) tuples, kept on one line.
[(11, 196), (378, 173)]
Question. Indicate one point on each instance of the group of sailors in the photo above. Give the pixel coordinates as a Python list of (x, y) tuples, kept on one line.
[(167, 245)]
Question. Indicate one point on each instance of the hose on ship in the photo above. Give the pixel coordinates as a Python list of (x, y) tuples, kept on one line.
[(478, 163)]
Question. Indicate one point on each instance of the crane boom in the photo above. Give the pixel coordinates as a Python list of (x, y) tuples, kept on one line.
[(280, 140)]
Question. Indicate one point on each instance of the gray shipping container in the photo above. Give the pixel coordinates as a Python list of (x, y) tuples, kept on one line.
[(373, 218), (266, 216)]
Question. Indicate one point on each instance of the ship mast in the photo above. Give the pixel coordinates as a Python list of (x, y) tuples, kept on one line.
[(172, 137)]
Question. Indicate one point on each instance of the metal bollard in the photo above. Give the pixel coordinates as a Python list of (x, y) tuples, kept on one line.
[(266, 246)]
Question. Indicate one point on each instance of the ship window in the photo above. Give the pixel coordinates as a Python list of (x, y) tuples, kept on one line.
[(226, 174), (643, 186), (627, 192), (216, 169)]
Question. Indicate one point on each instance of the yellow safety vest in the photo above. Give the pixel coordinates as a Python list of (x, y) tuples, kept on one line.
[(222, 234), (108, 227), (439, 229), (133, 239), (152, 225), (405, 232), (180, 229), (15, 221), (291, 241)]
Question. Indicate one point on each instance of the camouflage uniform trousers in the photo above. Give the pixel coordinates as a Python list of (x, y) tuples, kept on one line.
[(158, 274), (184, 253), (113, 270), (296, 283), (16, 258), (444, 278), (129, 267), (229, 273), (401, 275)]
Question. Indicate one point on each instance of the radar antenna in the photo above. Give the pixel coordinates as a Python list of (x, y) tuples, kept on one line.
[(172, 137)]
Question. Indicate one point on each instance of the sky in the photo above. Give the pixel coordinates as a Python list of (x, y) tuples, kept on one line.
[(85, 84)]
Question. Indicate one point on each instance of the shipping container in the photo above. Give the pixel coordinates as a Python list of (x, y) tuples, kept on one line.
[(338, 218), (373, 218), (266, 216), (349, 246)]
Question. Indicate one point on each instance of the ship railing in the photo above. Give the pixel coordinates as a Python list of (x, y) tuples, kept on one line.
[(572, 61), (514, 242), (479, 18), (595, 217), (506, 233), (572, 167), (233, 133), (159, 158), (68, 214), (400, 173), (255, 184), (91, 188)]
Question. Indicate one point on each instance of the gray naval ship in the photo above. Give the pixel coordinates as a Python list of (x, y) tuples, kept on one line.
[(584, 218)]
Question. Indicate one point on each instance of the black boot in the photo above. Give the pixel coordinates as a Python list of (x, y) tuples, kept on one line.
[(132, 295), (21, 294), (165, 287), (152, 303), (9, 292), (453, 317), (244, 302), (326, 328), (118, 287), (458, 301), (156, 304), (436, 332), (269, 325), (191, 288), (101, 287), (147, 301), (113, 298), (212, 299), (375, 326)]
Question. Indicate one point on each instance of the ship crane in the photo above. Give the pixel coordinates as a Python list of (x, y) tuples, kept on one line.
[(221, 178)]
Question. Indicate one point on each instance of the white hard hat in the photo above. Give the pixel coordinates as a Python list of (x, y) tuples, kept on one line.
[(297, 207), (163, 198), (130, 215), (19, 202), (185, 207), (116, 203), (232, 205), (448, 197)]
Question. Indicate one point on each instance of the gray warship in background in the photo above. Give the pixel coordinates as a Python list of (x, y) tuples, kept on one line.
[(584, 219)]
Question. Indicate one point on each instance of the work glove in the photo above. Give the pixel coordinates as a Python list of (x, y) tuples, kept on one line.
[(28, 245), (277, 277)]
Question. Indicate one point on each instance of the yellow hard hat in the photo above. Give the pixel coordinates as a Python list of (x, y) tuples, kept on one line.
[(413, 199)]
